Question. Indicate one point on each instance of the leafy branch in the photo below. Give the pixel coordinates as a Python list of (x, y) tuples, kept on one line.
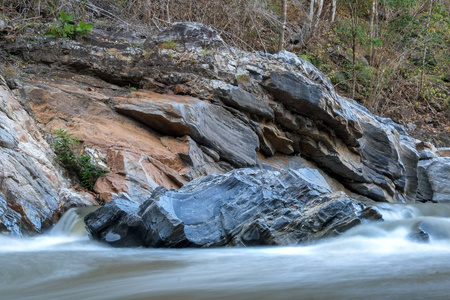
[(68, 28)]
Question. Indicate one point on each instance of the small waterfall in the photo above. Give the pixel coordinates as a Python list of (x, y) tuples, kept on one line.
[(72, 222), (393, 212), (420, 222)]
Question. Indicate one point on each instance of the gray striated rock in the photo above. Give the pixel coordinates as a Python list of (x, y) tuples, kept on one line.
[(434, 178), (22, 183), (187, 35), (209, 125), (305, 97), (10, 220), (244, 101), (202, 160), (122, 211), (297, 93), (244, 207), (410, 158), (7, 139)]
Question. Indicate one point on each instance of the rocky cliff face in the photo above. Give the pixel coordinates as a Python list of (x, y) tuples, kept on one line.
[(32, 193), (201, 108)]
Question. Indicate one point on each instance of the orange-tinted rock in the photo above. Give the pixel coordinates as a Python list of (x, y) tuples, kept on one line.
[(109, 184), (138, 160)]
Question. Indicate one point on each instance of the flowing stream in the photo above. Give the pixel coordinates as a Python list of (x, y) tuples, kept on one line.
[(383, 260)]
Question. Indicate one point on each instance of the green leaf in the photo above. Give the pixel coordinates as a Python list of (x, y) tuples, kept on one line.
[(68, 27), (64, 18), (89, 27), (63, 15)]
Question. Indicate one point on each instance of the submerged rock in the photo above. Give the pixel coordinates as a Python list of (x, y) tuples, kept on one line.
[(243, 207)]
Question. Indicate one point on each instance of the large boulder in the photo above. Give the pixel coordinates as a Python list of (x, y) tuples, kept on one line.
[(243, 207)]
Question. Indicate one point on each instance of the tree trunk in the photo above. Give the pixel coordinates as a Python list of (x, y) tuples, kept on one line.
[(168, 11), (317, 18), (354, 41), (333, 10), (373, 30), (283, 25), (422, 73), (311, 12)]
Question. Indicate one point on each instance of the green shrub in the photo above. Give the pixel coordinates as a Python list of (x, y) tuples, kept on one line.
[(338, 78), (68, 28), (82, 165)]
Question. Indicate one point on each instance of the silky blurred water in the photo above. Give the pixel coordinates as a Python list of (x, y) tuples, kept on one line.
[(372, 261)]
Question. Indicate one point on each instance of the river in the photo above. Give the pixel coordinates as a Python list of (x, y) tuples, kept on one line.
[(371, 261)]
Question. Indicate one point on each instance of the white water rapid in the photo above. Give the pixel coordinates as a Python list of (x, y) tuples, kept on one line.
[(382, 260)]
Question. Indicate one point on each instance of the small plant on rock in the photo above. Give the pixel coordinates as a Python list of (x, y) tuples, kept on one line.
[(68, 153), (243, 80), (169, 45), (68, 28)]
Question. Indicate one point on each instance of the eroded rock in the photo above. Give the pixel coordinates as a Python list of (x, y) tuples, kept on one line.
[(244, 207), (187, 35)]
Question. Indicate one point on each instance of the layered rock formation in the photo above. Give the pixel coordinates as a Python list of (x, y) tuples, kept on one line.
[(204, 108), (32, 190)]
